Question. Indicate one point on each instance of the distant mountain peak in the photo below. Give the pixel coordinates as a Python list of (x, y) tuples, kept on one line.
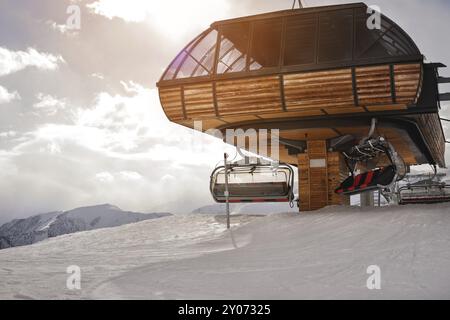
[(105, 206), (48, 225)]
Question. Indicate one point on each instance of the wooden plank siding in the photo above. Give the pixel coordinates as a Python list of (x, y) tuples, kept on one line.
[(199, 102), (306, 94), (407, 82), (249, 96), (171, 100), (316, 182), (374, 85), (430, 125)]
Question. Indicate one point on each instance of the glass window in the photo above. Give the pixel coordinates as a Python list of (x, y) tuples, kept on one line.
[(233, 48), (196, 60), (335, 36), (389, 41), (300, 40), (173, 68), (368, 44), (188, 68), (266, 44), (205, 51)]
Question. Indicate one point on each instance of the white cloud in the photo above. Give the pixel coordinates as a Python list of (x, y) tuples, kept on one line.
[(13, 61), (6, 96), (131, 127), (124, 121), (98, 76), (51, 148), (173, 18), (8, 134), (130, 175), (108, 177), (48, 104), (104, 177)]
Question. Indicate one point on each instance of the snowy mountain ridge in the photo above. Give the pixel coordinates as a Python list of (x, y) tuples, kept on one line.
[(27, 231)]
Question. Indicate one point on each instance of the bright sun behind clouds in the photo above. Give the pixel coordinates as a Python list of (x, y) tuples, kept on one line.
[(171, 18)]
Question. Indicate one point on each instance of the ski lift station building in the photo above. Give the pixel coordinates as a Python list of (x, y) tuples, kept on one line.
[(316, 74)]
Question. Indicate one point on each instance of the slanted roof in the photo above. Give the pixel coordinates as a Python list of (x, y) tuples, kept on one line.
[(291, 40)]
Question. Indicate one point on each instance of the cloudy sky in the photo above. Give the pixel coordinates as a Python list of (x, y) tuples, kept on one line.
[(80, 119)]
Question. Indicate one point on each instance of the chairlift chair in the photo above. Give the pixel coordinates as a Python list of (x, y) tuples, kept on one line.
[(425, 191), (253, 183), (370, 150)]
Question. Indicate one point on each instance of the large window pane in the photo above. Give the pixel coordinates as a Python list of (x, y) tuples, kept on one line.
[(205, 51), (173, 68), (188, 68), (335, 37), (266, 44), (388, 41), (300, 40), (199, 57), (233, 48)]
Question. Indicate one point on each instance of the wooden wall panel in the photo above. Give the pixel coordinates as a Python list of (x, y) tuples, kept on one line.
[(249, 96), (317, 150), (337, 172), (199, 101), (306, 94), (303, 182), (430, 126), (297, 114), (317, 90), (374, 85), (317, 179), (171, 101), (386, 107), (309, 134), (407, 80)]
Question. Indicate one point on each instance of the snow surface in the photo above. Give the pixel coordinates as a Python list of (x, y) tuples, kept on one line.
[(321, 255), (246, 208)]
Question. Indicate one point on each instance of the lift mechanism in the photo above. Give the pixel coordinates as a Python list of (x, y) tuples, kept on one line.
[(368, 152)]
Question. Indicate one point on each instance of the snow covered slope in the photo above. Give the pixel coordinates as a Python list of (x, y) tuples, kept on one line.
[(48, 225), (246, 208), (323, 255)]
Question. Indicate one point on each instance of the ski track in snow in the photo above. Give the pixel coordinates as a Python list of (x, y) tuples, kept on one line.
[(321, 255)]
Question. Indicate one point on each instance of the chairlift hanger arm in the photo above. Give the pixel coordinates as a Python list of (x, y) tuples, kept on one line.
[(300, 4)]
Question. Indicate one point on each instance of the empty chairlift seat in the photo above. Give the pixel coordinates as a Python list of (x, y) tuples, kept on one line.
[(253, 183), (424, 193)]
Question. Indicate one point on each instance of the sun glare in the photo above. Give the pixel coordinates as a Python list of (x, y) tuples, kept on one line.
[(171, 18)]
